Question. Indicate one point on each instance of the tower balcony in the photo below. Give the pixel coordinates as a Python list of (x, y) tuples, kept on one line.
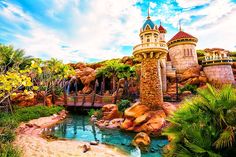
[(208, 61), (150, 49)]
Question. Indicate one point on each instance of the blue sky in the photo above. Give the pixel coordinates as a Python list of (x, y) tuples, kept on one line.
[(94, 30)]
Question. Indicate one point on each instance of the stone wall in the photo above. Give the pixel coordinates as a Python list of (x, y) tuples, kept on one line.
[(163, 74), (219, 74), (182, 60), (151, 83)]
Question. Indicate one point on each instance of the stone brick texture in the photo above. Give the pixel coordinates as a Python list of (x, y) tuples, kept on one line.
[(150, 84), (179, 60), (219, 74)]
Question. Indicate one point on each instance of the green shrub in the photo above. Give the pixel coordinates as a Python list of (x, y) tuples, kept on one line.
[(7, 150), (204, 125), (188, 87), (96, 113), (7, 135), (8, 123), (123, 105)]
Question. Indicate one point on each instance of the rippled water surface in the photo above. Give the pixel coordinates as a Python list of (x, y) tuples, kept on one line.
[(78, 127)]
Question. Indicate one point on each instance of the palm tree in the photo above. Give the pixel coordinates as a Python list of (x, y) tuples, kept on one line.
[(11, 58), (204, 125), (114, 70)]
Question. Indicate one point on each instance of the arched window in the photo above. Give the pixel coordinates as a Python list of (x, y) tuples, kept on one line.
[(148, 40), (184, 52)]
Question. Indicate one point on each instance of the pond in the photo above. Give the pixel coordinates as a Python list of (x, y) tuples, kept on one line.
[(78, 127)]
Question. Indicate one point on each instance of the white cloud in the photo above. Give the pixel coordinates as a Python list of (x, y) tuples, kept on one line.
[(215, 24), (97, 33), (192, 3), (152, 5)]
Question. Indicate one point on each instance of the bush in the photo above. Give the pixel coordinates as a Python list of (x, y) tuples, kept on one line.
[(8, 122), (123, 105), (96, 113), (188, 87), (7, 135), (7, 150), (204, 125)]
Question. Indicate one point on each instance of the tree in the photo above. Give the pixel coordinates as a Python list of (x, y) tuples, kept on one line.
[(49, 75), (10, 82), (204, 125), (11, 58), (114, 70)]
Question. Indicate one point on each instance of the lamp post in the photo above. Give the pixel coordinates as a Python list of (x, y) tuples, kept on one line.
[(177, 85)]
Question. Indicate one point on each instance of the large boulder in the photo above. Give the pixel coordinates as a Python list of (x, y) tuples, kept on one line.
[(142, 140), (86, 75), (110, 112), (152, 124), (168, 108), (136, 110), (139, 118), (190, 73)]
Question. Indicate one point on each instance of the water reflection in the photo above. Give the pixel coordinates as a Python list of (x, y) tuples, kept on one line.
[(79, 127)]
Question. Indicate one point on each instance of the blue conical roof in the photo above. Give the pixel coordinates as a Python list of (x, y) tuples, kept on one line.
[(150, 23)]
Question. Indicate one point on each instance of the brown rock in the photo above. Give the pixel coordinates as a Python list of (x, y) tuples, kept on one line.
[(190, 72), (154, 124), (142, 140), (136, 110), (168, 108), (202, 79), (110, 112), (127, 124), (87, 90)]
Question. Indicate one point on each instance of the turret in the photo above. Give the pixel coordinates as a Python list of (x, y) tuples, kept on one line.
[(182, 51)]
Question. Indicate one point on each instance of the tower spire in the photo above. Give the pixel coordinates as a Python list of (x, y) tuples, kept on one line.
[(148, 17), (180, 28)]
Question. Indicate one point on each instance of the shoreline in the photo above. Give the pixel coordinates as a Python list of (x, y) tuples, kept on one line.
[(30, 141)]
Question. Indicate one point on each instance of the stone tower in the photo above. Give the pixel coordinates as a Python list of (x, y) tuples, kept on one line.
[(150, 52), (217, 66), (182, 51)]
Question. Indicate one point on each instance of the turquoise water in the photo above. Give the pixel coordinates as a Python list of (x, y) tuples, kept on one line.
[(78, 127)]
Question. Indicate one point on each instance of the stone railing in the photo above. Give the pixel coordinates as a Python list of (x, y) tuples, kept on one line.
[(150, 45), (216, 60)]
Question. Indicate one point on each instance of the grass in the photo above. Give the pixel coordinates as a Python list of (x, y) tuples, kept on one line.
[(9, 122)]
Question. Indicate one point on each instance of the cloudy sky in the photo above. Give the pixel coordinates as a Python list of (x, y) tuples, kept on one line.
[(93, 30)]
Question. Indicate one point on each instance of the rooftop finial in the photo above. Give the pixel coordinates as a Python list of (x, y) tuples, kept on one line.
[(148, 17), (180, 29), (160, 22)]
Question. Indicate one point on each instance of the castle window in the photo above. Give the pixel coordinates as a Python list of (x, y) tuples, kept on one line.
[(148, 40), (184, 52)]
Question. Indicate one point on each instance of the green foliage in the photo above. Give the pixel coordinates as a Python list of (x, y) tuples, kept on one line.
[(204, 125), (188, 87), (97, 113), (7, 150), (8, 123), (200, 53), (13, 59), (123, 105)]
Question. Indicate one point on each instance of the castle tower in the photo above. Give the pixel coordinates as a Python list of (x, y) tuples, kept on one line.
[(217, 66), (182, 51), (150, 52), (162, 32)]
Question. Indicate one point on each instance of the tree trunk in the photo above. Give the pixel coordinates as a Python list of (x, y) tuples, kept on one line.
[(113, 83)]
